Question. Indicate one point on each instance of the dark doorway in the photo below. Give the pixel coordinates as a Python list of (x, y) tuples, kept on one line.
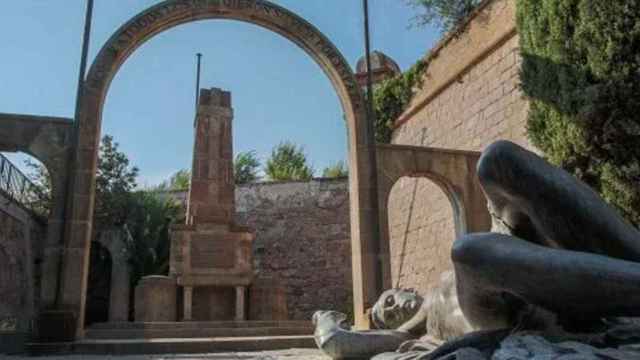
[(98, 285)]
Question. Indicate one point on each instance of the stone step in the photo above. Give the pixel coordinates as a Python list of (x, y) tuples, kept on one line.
[(172, 346), (155, 333), (199, 325)]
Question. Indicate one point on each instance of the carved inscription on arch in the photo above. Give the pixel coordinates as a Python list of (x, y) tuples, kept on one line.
[(170, 13)]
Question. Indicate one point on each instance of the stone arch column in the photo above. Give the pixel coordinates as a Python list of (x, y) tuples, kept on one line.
[(171, 13), (454, 171), (115, 240)]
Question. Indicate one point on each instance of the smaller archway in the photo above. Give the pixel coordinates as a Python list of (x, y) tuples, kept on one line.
[(453, 171)]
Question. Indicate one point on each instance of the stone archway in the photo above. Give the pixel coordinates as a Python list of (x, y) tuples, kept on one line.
[(454, 171), (171, 13)]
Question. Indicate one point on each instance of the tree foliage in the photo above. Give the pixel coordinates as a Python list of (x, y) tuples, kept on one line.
[(115, 180), (288, 162), (446, 13), (245, 167), (39, 176), (148, 221), (581, 70), (179, 181), (336, 170)]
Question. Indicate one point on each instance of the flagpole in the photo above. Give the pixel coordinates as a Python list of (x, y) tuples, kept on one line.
[(199, 56), (371, 139)]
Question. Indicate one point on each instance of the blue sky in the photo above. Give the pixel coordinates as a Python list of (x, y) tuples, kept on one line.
[(279, 93)]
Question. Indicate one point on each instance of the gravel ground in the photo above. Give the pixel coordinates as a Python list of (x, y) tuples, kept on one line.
[(293, 354)]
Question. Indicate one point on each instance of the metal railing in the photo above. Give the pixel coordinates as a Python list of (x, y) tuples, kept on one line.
[(15, 185)]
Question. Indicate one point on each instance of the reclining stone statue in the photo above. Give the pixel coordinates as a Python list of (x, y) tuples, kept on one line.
[(557, 256)]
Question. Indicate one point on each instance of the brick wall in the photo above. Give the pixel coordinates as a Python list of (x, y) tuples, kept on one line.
[(470, 98), (21, 235), (302, 241)]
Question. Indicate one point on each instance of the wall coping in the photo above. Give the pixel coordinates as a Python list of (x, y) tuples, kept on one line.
[(283, 182), (441, 57), (403, 147), (343, 179), (40, 118)]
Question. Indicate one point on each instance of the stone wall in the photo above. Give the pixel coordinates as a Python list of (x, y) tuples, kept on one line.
[(302, 241), (470, 98), (21, 236)]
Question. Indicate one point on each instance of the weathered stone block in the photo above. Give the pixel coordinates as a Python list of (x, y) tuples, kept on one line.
[(156, 299)]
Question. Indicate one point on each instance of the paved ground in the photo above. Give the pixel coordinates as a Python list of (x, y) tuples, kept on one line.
[(293, 354)]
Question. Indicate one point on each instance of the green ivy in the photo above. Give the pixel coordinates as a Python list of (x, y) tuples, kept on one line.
[(581, 71), (392, 97)]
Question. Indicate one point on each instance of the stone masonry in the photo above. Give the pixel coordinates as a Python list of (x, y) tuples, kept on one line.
[(470, 98), (302, 241), (21, 237)]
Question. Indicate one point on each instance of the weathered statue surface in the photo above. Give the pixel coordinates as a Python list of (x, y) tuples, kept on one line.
[(559, 261)]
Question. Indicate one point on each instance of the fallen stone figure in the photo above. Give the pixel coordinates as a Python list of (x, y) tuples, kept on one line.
[(558, 277)]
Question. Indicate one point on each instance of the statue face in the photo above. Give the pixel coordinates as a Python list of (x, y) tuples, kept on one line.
[(395, 307)]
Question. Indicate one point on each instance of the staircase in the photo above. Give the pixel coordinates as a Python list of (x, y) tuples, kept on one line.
[(184, 338)]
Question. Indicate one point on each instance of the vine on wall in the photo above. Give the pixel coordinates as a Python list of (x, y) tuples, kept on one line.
[(392, 97)]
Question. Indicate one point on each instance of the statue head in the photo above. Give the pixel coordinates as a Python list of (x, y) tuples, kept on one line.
[(396, 307)]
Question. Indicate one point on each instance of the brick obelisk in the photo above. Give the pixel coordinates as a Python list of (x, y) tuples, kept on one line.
[(210, 254), (212, 192)]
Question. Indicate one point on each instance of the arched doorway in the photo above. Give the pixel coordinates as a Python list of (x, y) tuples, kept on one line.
[(164, 16), (99, 284)]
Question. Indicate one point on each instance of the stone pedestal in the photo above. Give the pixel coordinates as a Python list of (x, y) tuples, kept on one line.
[(212, 265), (156, 298)]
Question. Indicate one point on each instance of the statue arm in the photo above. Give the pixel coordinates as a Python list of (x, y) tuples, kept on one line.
[(335, 339)]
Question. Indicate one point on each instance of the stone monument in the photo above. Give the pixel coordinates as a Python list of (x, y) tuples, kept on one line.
[(210, 254)]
